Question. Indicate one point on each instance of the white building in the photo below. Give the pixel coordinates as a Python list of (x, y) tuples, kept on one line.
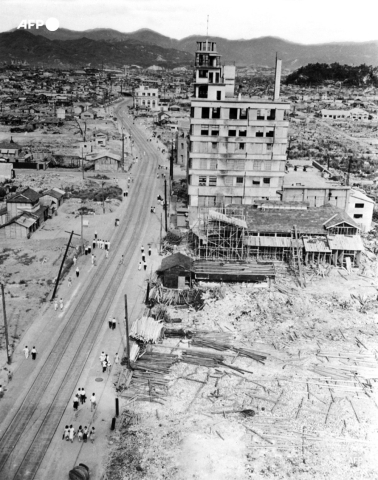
[(146, 98), (335, 114), (360, 207)]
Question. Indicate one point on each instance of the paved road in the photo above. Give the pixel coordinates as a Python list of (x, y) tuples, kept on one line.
[(29, 424)]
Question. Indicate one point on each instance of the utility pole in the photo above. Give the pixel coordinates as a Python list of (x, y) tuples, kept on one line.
[(171, 164), (61, 266), (5, 325), (82, 162), (103, 199), (127, 333), (123, 150), (161, 231), (165, 205)]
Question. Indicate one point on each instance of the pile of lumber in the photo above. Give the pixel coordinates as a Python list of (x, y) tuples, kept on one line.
[(146, 330), (168, 296), (206, 341), (203, 359)]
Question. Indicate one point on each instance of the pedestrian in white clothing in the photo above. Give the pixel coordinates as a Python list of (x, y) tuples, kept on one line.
[(61, 303), (92, 258), (140, 266), (74, 260), (69, 281), (142, 249), (93, 402), (56, 305), (72, 433), (107, 254), (26, 352), (116, 359)]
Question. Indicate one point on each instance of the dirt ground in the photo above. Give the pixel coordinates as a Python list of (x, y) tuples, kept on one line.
[(309, 411)]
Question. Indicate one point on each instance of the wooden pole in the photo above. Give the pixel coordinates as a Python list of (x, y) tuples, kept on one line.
[(165, 205), (5, 325), (61, 266), (127, 333)]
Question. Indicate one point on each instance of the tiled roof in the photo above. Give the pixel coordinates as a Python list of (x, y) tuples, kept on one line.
[(177, 259), (28, 195)]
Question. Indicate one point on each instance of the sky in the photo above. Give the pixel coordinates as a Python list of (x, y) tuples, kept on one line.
[(302, 21)]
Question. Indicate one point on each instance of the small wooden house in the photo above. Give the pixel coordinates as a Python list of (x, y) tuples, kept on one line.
[(175, 271)]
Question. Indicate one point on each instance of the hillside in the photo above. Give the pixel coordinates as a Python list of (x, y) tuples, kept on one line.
[(256, 51), (36, 49), (319, 73)]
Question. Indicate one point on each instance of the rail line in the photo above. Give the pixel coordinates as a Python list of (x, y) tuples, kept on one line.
[(29, 434)]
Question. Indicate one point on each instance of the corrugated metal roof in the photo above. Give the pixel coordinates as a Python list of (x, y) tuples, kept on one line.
[(224, 218), (316, 245), (344, 242), (275, 242), (26, 222)]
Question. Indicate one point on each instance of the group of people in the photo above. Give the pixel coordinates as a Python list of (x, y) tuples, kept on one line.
[(80, 397), (33, 352), (102, 244), (112, 323), (61, 303), (82, 434), (106, 363)]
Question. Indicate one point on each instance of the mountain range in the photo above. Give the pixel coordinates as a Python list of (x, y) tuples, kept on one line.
[(146, 47)]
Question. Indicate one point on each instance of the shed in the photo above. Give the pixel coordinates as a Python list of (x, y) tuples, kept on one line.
[(175, 271), (214, 271)]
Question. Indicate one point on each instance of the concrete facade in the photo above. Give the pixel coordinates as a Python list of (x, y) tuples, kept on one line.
[(360, 207), (238, 145), (146, 97)]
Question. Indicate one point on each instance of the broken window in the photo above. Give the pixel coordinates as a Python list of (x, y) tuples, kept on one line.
[(214, 146), (241, 146), (255, 181), (259, 133), (205, 112), (204, 129), (211, 77), (232, 133), (243, 113), (242, 132), (212, 181), (269, 133), (192, 112), (202, 73), (202, 181), (219, 95), (239, 180), (266, 181), (358, 205), (202, 91), (260, 114), (233, 113), (216, 113), (271, 115), (269, 147), (214, 130), (358, 215)]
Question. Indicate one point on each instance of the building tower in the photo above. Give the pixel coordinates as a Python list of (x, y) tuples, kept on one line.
[(238, 145)]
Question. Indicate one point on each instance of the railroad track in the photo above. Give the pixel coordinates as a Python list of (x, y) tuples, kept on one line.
[(25, 441)]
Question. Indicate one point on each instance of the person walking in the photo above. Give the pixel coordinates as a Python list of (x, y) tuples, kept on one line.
[(149, 251), (80, 433), (26, 351), (110, 322), (95, 234), (56, 305), (107, 254), (114, 323), (61, 303), (142, 249), (116, 359), (94, 244), (95, 261), (75, 403), (77, 272), (93, 402), (121, 261), (145, 266), (86, 250), (106, 244), (74, 260), (92, 435), (72, 433), (69, 281), (104, 366), (109, 365), (85, 434), (66, 433), (33, 353), (102, 357), (140, 266), (83, 396), (126, 193), (89, 249), (143, 257), (92, 259)]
